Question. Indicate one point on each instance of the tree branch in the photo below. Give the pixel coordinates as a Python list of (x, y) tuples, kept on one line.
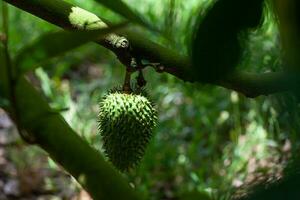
[(253, 84), (49, 130), (66, 147), (250, 84)]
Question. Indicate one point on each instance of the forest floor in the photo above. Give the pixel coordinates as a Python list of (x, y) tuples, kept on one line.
[(26, 172)]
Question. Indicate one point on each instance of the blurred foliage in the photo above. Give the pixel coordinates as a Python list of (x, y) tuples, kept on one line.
[(210, 142)]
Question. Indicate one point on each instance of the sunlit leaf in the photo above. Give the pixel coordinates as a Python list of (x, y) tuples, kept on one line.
[(53, 44)]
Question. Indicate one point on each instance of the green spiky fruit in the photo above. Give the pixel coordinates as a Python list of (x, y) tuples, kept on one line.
[(126, 122)]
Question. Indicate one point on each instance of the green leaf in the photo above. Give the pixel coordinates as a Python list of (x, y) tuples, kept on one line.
[(124, 10), (53, 44)]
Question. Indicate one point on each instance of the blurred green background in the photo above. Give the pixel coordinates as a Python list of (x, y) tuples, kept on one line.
[(210, 142)]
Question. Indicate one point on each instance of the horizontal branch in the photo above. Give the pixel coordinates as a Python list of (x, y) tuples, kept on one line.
[(253, 84), (250, 84)]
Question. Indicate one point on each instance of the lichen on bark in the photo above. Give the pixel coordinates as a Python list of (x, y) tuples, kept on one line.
[(84, 20)]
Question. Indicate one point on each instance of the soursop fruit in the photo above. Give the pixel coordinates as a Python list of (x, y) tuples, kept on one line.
[(126, 123)]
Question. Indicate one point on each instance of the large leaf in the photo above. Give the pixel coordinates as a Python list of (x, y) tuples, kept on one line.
[(53, 44), (216, 49)]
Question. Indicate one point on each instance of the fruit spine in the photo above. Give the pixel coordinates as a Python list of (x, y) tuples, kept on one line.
[(126, 123)]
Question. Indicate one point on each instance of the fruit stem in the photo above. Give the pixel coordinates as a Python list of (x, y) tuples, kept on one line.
[(126, 85)]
